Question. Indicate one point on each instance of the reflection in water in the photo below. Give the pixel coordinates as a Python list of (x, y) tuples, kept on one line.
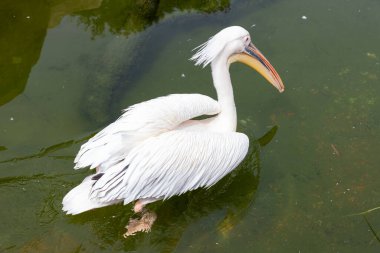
[(61, 8), (108, 73), (22, 34), (129, 16)]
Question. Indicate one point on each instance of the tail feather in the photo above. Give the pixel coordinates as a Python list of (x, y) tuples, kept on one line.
[(78, 199)]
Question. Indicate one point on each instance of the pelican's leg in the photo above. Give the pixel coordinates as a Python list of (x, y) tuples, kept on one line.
[(141, 203), (144, 224)]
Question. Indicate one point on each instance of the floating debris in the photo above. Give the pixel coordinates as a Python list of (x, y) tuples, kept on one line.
[(304, 17), (183, 75), (372, 55), (365, 212), (344, 71), (336, 151), (370, 76), (243, 122)]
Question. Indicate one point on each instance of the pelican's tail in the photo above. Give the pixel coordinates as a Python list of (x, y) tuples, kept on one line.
[(78, 199)]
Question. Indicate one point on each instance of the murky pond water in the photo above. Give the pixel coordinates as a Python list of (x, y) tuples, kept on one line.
[(68, 67)]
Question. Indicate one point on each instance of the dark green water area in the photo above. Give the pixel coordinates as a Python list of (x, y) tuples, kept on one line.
[(311, 183)]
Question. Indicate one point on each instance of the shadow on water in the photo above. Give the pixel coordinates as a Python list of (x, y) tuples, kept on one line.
[(210, 214), (22, 34)]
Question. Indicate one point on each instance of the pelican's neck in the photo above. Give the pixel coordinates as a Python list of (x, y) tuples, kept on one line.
[(226, 120)]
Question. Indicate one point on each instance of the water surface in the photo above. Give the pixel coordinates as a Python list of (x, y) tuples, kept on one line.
[(69, 67)]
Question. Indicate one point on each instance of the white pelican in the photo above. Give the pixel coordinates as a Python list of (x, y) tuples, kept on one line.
[(155, 150)]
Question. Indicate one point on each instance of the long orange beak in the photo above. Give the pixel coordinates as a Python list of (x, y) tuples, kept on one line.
[(256, 60)]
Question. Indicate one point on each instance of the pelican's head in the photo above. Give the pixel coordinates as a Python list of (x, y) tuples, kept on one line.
[(234, 43)]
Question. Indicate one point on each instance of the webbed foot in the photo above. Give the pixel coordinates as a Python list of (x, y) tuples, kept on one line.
[(144, 224)]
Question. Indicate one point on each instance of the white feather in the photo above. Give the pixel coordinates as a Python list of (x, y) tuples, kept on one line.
[(171, 164), (139, 122), (209, 50), (78, 199)]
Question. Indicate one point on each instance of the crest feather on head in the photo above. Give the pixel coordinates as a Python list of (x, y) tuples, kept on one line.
[(209, 50)]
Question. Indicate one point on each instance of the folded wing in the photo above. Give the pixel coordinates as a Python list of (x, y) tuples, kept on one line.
[(139, 122), (171, 164)]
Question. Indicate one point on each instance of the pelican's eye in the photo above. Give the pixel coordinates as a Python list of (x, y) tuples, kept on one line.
[(247, 40)]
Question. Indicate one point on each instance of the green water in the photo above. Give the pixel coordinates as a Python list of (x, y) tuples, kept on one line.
[(68, 67)]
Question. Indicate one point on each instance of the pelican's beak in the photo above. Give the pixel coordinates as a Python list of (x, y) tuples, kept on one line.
[(256, 60)]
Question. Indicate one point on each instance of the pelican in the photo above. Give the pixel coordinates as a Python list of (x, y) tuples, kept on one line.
[(156, 149)]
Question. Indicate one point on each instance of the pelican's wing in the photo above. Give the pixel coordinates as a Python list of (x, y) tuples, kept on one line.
[(171, 164), (139, 122)]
